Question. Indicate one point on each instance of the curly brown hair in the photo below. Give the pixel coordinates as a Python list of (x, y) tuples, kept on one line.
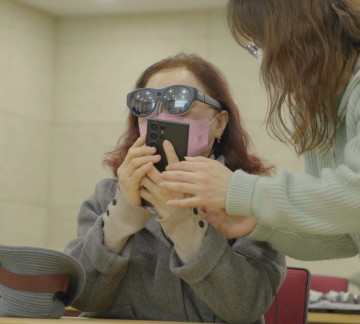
[(235, 142), (310, 49)]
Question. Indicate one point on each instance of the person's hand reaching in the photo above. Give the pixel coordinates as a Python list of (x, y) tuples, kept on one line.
[(229, 225)]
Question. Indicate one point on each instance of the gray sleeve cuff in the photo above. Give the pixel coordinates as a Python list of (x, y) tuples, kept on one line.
[(122, 220), (186, 227), (211, 251), (100, 257)]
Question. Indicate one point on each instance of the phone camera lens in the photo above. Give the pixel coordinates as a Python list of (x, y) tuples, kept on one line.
[(162, 137), (162, 127), (153, 144), (159, 94), (154, 126), (153, 135)]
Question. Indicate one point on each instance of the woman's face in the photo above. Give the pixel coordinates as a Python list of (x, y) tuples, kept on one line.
[(198, 110)]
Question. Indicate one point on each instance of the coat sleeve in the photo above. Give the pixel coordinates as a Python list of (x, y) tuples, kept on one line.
[(306, 247), (238, 288), (104, 269), (186, 227), (325, 205)]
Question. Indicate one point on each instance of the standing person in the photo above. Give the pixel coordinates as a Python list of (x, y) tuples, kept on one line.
[(308, 51), (166, 263)]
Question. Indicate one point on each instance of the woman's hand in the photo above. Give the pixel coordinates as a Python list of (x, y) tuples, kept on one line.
[(156, 195), (206, 180), (228, 225), (137, 163)]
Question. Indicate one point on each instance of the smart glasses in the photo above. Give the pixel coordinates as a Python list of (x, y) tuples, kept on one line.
[(254, 49), (176, 99)]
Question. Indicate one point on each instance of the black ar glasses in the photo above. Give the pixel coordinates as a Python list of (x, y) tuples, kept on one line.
[(176, 99)]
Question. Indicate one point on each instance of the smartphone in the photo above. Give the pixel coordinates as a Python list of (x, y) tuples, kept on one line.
[(160, 130), (176, 133)]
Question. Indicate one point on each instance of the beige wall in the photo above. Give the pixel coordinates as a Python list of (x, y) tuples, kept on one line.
[(26, 85), (62, 135)]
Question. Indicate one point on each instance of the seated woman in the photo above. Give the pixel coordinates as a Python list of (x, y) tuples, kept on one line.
[(165, 263)]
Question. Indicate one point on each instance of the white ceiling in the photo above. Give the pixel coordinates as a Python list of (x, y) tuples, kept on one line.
[(105, 7)]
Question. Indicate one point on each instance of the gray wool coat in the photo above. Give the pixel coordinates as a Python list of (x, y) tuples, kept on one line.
[(147, 280)]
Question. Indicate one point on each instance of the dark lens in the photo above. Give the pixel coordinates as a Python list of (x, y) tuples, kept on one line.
[(177, 99), (154, 126), (162, 127), (162, 137), (153, 144), (142, 102), (153, 135)]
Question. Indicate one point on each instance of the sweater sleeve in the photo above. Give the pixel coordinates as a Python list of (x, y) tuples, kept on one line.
[(306, 247), (238, 288), (104, 269), (327, 205)]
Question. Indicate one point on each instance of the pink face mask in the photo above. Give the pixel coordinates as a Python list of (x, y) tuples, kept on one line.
[(198, 132)]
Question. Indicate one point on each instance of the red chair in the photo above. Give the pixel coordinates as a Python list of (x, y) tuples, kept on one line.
[(293, 299), (325, 284)]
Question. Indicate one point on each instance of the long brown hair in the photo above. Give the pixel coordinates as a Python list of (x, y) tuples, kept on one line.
[(310, 47), (235, 143)]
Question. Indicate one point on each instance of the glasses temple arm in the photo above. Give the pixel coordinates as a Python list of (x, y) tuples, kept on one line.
[(212, 102), (208, 100)]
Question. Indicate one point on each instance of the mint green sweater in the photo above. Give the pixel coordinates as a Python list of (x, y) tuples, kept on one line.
[(313, 215)]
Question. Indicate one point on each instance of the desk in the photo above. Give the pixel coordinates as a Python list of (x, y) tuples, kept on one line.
[(331, 318), (328, 318), (75, 320)]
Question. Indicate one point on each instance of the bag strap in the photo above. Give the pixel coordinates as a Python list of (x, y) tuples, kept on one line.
[(34, 283)]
